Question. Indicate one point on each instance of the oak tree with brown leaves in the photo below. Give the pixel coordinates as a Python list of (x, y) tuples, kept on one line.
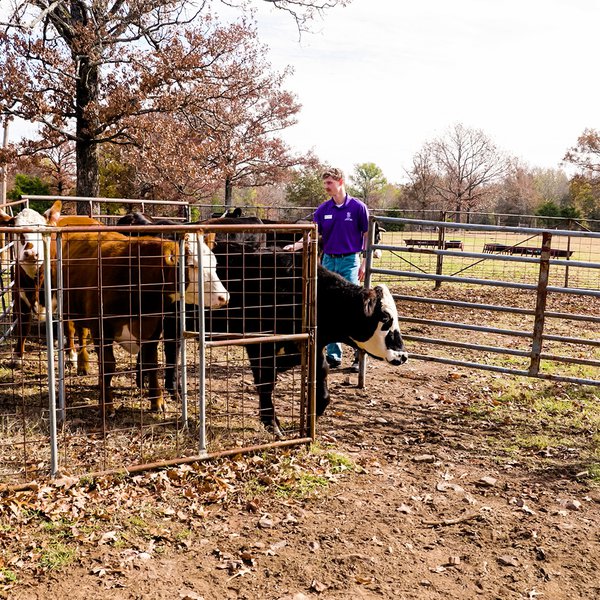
[(87, 69), (586, 154)]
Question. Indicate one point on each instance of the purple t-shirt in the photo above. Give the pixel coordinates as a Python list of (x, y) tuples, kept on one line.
[(342, 227)]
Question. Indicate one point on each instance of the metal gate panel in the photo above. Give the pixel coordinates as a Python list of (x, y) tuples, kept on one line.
[(512, 300)]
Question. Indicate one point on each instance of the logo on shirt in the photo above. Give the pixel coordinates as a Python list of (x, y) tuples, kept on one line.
[(348, 217)]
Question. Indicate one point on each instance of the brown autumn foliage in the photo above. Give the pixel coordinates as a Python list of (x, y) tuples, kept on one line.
[(88, 71), (586, 154)]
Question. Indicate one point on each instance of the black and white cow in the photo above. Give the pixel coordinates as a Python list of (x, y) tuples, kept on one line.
[(265, 297)]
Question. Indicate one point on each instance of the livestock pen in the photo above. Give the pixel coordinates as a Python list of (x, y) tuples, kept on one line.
[(50, 419)]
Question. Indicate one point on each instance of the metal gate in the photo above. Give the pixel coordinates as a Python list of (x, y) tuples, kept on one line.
[(512, 300), (49, 417)]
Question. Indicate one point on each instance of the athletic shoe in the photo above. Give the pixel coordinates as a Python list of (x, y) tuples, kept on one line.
[(333, 363)]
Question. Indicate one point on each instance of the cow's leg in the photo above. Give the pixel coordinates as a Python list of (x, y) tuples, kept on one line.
[(23, 326), (106, 370), (25, 300), (149, 358), (70, 352), (322, 370), (83, 357), (80, 358), (262, 363), (172, 347)]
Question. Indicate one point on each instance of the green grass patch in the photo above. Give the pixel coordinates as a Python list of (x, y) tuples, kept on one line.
[(7, 575), (57, 556), (297, 474), (594, 473), (61, 529), (554, 422), (339, 462), (302, 486), (138, 522)]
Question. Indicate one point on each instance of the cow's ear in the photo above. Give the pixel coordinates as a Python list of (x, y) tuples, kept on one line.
[(53, 213), (170, 255), (370, 301), (6, 219)]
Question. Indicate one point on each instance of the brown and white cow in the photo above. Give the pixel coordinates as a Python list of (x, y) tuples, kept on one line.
[(118, 287)]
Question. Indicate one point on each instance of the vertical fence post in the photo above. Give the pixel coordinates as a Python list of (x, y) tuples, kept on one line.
[(180, 327), (362, 363), (201, 351), (540, 305), (567, 257), (314, 355), (60, 334), (439, 269), (50, 356)]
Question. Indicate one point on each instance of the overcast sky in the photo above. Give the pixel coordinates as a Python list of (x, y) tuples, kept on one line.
[(379, 78)]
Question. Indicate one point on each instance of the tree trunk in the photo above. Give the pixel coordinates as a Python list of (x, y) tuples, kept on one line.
[(86, 150), (87, 176), (228, 191)]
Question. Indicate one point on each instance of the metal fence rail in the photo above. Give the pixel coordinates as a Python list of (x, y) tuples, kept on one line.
[(532, 313)]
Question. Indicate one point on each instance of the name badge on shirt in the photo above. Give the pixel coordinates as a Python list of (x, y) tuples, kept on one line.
[(326, 217)]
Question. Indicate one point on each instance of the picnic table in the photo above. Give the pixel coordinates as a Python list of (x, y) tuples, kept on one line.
[(434, 243), (525, 250)]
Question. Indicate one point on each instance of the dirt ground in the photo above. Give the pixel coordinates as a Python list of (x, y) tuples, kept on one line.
[(408, 494)]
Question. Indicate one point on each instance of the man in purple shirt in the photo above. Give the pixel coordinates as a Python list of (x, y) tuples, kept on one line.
[(343, 223)]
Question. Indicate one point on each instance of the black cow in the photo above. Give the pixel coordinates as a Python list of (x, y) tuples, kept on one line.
[(251, 242), (266, 297)]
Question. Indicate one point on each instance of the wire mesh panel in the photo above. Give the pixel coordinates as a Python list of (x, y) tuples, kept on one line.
[(515, 300), (136, 383)]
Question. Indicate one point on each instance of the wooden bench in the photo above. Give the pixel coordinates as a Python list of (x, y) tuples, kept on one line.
[(435, 243)]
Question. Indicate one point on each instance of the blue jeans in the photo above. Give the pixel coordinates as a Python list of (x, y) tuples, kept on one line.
[(347, 267)]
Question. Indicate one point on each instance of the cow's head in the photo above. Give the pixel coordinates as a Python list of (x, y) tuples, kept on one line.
[(215, 294), (381, 337), (29, 245)]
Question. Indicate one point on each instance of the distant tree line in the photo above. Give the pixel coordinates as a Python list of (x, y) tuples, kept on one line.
[(160, 99)]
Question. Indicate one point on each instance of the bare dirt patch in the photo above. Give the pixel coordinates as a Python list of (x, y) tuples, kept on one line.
[(432, 483)]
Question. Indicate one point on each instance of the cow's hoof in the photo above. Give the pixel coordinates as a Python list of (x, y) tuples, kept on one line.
[(158, 405), (274, 428)]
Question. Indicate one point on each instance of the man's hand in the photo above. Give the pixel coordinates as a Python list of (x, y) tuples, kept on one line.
[(362, 269)]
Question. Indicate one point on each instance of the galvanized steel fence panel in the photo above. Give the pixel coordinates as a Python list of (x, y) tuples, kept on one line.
[(515, 300), (49, 417)]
